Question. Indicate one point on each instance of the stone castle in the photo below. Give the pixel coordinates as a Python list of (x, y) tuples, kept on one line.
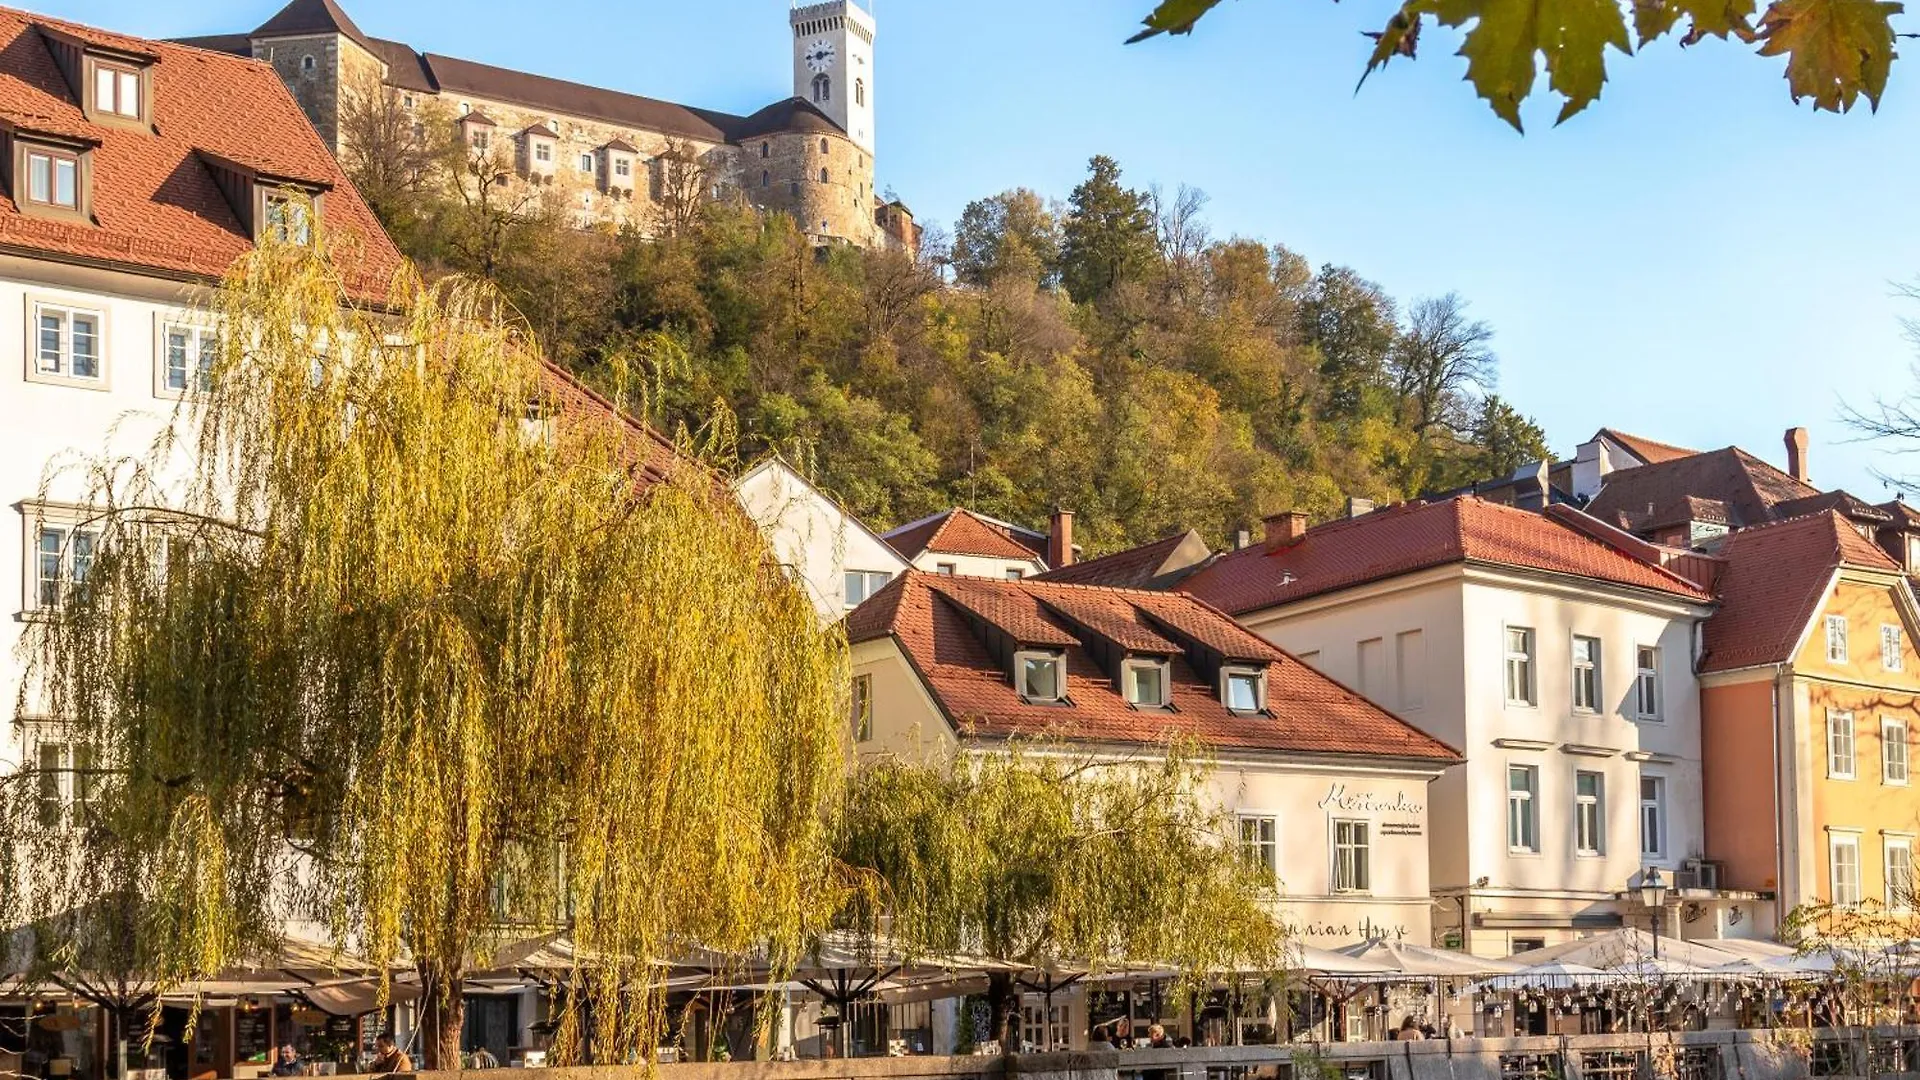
[(612, 156)]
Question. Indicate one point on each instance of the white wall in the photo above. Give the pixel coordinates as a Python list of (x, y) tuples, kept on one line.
[(811, 534), (978, 565)]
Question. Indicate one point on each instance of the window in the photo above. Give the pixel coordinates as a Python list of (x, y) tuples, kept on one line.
[(542, 152), (1527, 944), (586, 163), (1646, 682), (1145, 682), (1892, 652), (1014, 573), (1586, 673), (117, 90), (306, 63), (766, 150), (1840, 750), (1843, 858), (1523, 822), (823, 176), (1893, 750), (1589, 812), (1260, 844), (945, 569), (53, 179), (1350, 871), (190, 353), (1653, 817), (862, 708), (67, 342), (288, 218), (794, 187), (864, 583), (822, 89), (1043, 676), (622, 167), (406, 100), (1519, 665), (63, 557), (1899, 873), (825, 147), (766, 178), (1836, 639), (859, 91), (481, 140), (66, 781), (1243, 690)]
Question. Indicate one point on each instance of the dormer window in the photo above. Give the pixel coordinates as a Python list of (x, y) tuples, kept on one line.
[(287, 216), (1145, 683), (116, 90), (53, 178), (50, 174), (1243, 690), (1041, 677)]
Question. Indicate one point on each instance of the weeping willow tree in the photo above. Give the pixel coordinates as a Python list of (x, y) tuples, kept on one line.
[(1043, 857), (397, 629)]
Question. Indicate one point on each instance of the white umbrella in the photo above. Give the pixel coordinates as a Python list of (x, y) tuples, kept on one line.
[(1314, 961), (1550, 975), (1426, 962)]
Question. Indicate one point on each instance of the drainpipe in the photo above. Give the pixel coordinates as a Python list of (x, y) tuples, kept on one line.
[(1779, 807)]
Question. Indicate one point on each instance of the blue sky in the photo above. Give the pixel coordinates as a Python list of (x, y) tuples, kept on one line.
[(1695, 259)]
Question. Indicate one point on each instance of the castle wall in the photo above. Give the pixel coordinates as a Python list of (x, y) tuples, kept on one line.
[(825, 182)]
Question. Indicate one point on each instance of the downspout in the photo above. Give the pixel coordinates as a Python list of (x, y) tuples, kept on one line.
[(1779, 806)]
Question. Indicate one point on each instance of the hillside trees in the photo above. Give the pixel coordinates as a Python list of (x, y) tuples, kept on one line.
[(1104, 353)]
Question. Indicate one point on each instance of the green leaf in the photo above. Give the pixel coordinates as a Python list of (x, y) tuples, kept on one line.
[(1836, 50), (1573, 35), (1717, 18), (1173, 17), (1653, 18), (1400, 37)]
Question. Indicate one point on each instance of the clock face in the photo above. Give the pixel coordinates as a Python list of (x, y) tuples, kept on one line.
[(819, 55)]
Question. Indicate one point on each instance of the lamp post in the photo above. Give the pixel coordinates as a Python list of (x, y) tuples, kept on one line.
[(1653, 894)]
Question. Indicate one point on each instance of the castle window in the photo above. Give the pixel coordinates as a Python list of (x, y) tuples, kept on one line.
[(766, 178), (306, 63), (622, 167), (766, 150), (586, 163), (481, 140), (407, 100), (823, 176), (822, 89), (825, 148), (859, 91)]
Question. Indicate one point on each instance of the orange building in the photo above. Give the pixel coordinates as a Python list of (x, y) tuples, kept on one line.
[(1810, 698)]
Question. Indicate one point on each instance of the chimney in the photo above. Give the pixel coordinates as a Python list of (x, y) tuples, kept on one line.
[(1358, 507), (1285, 529), (1797, 454), (1060, 540)]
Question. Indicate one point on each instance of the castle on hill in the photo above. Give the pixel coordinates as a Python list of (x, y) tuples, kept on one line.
[(604, 152)]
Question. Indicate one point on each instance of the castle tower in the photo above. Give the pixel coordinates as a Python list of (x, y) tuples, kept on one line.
[(833, 64), (321, 56)]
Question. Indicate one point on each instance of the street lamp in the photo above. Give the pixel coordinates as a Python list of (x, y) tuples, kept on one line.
[(1653, 894)]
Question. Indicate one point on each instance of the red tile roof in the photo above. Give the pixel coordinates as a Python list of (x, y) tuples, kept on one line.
[(963, 532), (1135, 568), (1419, 536), (157, 209), (649, 452), (1749, 487), (936, 622), (1775, 579), (1646, 449)]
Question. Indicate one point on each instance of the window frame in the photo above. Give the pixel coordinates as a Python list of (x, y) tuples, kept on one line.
[(1835, 728), (1898, 901), (1057, 658), (1836, 623), (1656, 852), (868, 588), (78, 155), (1893, 647), (1231, 672), (862, 708), (1593, 807), (200, 361), (36, 305), (268, 196), (1160, 667), (1890, 724), (1528, 663), (36, 521), (1584, 674), (1251, 850), (1527, 800), (1836, 840), (1646, 683), (1360, 865), (74, 775), (143, 91)]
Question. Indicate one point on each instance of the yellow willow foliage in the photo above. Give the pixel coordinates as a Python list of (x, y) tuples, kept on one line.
[(416, 620)]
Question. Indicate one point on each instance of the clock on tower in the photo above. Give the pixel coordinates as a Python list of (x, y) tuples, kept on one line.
[(833, 64)]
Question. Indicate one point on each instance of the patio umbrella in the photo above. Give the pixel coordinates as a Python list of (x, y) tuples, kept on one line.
[(1548, 975), (1627, 945), (1426, 962), (1325, 962)]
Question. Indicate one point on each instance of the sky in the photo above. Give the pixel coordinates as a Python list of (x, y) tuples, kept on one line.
[(1694, 259)]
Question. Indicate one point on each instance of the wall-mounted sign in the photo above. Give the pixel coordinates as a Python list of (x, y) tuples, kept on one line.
[(1365, 929), (1401, 828), (1367, 802)]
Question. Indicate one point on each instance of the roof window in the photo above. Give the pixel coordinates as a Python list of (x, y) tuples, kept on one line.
[(1041, 677), (113, 85), (1145, 682), (1243, 690), (51, 174)]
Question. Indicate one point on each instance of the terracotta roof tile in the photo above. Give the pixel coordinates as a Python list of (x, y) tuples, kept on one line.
[(1749, 487), (1134, 568), (1646, 449), (650, 453), (157, 208), (302, 17), (962, 532), (1775, 578), (1015, 612), (1418, 536), (1307, 712)]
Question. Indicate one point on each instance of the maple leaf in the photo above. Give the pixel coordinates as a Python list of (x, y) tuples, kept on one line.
[(1507, 35), (1653, 18), (1173, 17), (1717, 18), (1836, 50), (1400, 37)]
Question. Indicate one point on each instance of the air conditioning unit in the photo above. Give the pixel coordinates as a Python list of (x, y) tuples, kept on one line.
[(1698, 874)]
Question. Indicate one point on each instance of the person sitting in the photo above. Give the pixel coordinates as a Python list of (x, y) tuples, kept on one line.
[(1157, 1037), (1409, 1029), (388, 1057), (286, 1061)]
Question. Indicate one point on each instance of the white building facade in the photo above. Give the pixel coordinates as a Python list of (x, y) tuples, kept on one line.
[(839, 561)]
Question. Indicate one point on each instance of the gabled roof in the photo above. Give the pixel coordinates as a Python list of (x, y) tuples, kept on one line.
[(157, 209), (1749, 487), (1645, 449), (773, 461), (563, 98), (962, 532), (942, 625), (1153, 565), (1774, 582), (648, 453), (1846, 504), (302, 17), (1418, 536)]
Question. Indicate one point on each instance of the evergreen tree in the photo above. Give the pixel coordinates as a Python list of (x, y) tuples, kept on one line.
[(1109, 236)]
